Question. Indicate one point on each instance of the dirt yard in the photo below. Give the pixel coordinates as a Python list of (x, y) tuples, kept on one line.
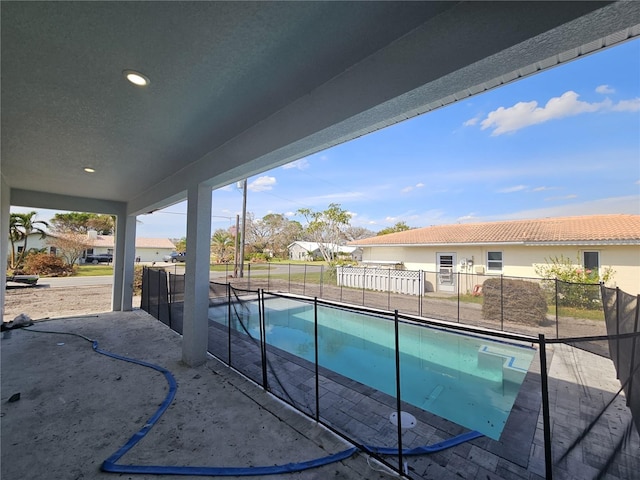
[(51, 302)]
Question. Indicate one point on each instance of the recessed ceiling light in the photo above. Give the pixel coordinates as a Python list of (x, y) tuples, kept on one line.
[(136, 78), (89, 170)]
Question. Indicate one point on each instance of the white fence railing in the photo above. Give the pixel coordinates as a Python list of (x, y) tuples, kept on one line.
[(408, 282)]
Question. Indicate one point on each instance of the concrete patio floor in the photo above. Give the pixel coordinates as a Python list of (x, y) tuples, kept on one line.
[(76, 408)]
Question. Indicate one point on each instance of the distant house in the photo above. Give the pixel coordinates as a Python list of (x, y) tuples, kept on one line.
[(147, 249), (308, 251), (513, 248)]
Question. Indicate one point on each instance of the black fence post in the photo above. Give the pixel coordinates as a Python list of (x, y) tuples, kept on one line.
[(249, 278), (557, 313), (364, 281), (263, 338), (398, 396), (546, 421), (617, 328), (304, 280), (268, 276), (501, 302), (229, 323), (289, 277), (421, 290), (317, 373), (389, 291), (458, 289)]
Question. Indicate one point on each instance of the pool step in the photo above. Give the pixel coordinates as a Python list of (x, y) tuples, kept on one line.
[(495, 360)]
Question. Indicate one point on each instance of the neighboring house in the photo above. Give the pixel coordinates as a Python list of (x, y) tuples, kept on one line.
[(513, 248), (300, 250), (147, 249)]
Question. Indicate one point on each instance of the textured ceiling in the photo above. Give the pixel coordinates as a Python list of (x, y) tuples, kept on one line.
[(239, 87)]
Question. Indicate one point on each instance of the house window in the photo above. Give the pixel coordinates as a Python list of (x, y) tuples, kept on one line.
[(591, 261), (494, 261), (20, 249), (53, 250)]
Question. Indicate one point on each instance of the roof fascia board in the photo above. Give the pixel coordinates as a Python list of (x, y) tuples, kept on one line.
[(54, 201)]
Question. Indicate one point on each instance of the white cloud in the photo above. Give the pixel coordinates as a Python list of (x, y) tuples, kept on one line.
[(525, 114), (515, 188), (543, 189), (605, 89), (262, 184), (290, 214), (629, 205), (410, 187), (301, 164), (471, 122), (632, 105), (464, 218), (566, 197)]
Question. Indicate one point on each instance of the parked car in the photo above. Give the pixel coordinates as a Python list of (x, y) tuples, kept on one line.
[(96, 258), (174, 257)]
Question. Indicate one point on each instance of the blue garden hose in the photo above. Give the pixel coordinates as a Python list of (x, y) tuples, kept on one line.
[(110, 465)]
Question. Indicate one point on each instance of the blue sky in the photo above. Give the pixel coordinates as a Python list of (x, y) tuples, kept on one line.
[(562, 142)]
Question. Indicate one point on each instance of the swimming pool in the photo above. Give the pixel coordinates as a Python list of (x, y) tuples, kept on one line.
[(469, 380)]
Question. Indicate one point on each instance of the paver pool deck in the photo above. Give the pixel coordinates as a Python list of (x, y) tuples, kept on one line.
[(76, 408)]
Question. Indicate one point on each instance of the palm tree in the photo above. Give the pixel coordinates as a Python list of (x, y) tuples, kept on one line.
[(15, 235), (22, 225), (221, 243)]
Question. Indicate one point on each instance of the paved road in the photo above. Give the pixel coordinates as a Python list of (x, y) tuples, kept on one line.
[(75, 281)]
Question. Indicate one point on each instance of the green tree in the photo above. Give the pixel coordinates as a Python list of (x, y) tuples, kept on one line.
[(273, 233), (15, 236), (358, 233), (327, 228), (82, 222), (398, 227), (180, 243), (222, 245), (21, 226)]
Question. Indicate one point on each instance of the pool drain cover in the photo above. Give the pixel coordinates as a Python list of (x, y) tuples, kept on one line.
[(408, 420)]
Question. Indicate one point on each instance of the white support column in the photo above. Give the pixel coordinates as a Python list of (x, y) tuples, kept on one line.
[(125, 250), (118, 261), (196, 290), (5, 204)]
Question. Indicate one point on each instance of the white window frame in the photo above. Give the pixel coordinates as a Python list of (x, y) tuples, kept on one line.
[(493, 261), (584, 263)]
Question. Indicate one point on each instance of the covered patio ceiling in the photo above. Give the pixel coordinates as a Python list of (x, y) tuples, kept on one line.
[(237, 88)]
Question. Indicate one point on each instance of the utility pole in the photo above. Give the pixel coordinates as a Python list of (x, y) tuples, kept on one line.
[(235, 243), (244, 226)]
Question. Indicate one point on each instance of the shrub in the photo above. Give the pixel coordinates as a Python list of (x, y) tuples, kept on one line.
[(521, 301), (137, 279), (46, 264), (579, 287)]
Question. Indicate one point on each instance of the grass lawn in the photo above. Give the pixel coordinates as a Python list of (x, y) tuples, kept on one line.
[(93, 270)]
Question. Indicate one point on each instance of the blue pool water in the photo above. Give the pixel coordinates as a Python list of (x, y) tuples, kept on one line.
[(469, 380)]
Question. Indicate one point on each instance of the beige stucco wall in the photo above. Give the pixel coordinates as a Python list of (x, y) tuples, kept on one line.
[(518, 260)]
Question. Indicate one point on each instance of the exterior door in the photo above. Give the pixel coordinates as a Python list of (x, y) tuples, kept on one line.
[(445, 263)]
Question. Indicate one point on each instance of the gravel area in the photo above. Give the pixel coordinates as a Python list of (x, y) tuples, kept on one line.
[(42, 302)]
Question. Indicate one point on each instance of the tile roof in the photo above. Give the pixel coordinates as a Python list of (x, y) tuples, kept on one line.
[(590, 229), (108, 241)]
